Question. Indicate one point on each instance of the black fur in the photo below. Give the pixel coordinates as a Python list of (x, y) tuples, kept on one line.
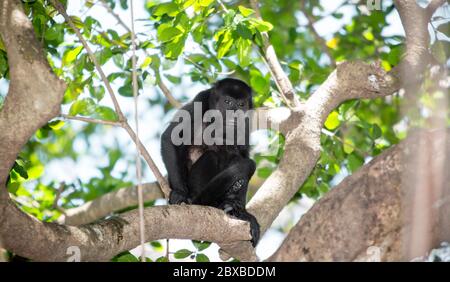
[(219, 176)]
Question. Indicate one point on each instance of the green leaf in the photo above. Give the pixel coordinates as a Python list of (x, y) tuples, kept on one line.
[(174, 48), (97, 92), (348, 146), (183, 253), (375, 131), (126, 90), (71, 55), (56, 124), (354, 162), (162, 259), (201, 245), (204, 3), (147, 61), (201, 258), (127, 258), (20, 170), (332, 121), (264, 172), (173, 79), (260, 84), (244, 31), (224, 48), (157, 246), (103, 56), (244, 47), (245, 11), (170, 8), (166, 32), (261, 26), (82, 107), (106, 113)]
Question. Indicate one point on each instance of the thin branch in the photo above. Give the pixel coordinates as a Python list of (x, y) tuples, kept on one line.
[(60, 8), (55, 205), (136, 141), (162, 182), (283, 82), (317, 37), (159, 177), (433, 6), (92, 120), (122, 120), (116, 16), (174, 102), (224, 8)]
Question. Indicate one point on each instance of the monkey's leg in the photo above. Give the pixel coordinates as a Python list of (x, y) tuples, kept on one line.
[(234, 178), (202, 172)]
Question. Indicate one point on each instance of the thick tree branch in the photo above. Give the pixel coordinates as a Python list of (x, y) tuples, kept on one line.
[(104, 239), (30, 102), (366, 210), (108, 203)]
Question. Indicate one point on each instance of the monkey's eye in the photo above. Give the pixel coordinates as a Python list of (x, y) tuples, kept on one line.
[(228, 102)]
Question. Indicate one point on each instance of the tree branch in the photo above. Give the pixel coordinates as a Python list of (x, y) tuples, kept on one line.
[(110, 202), (92, 120), (433, 6), (104, 239), (284, 84), (367, 210), (174, 102), (163, 183), (26, 108)]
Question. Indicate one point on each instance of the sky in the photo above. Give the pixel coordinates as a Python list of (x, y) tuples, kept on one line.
[(153, 120)]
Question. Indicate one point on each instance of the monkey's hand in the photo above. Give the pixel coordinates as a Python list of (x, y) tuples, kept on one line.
[(177, 198)]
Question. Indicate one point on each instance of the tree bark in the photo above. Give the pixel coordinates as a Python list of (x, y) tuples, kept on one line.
[(364, 215)]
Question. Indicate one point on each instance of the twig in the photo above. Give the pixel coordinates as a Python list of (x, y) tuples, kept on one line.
[(92, 120), (136, 141), (116, 16), (60, 8), (174, 102), (55, 206), (122, 120), (317, 37), (282, 81), (224, 8)]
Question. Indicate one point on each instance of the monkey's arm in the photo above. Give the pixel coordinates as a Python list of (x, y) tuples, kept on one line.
[(175, 157)]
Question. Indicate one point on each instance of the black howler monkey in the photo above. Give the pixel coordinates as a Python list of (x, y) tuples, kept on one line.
[(215, 175)]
